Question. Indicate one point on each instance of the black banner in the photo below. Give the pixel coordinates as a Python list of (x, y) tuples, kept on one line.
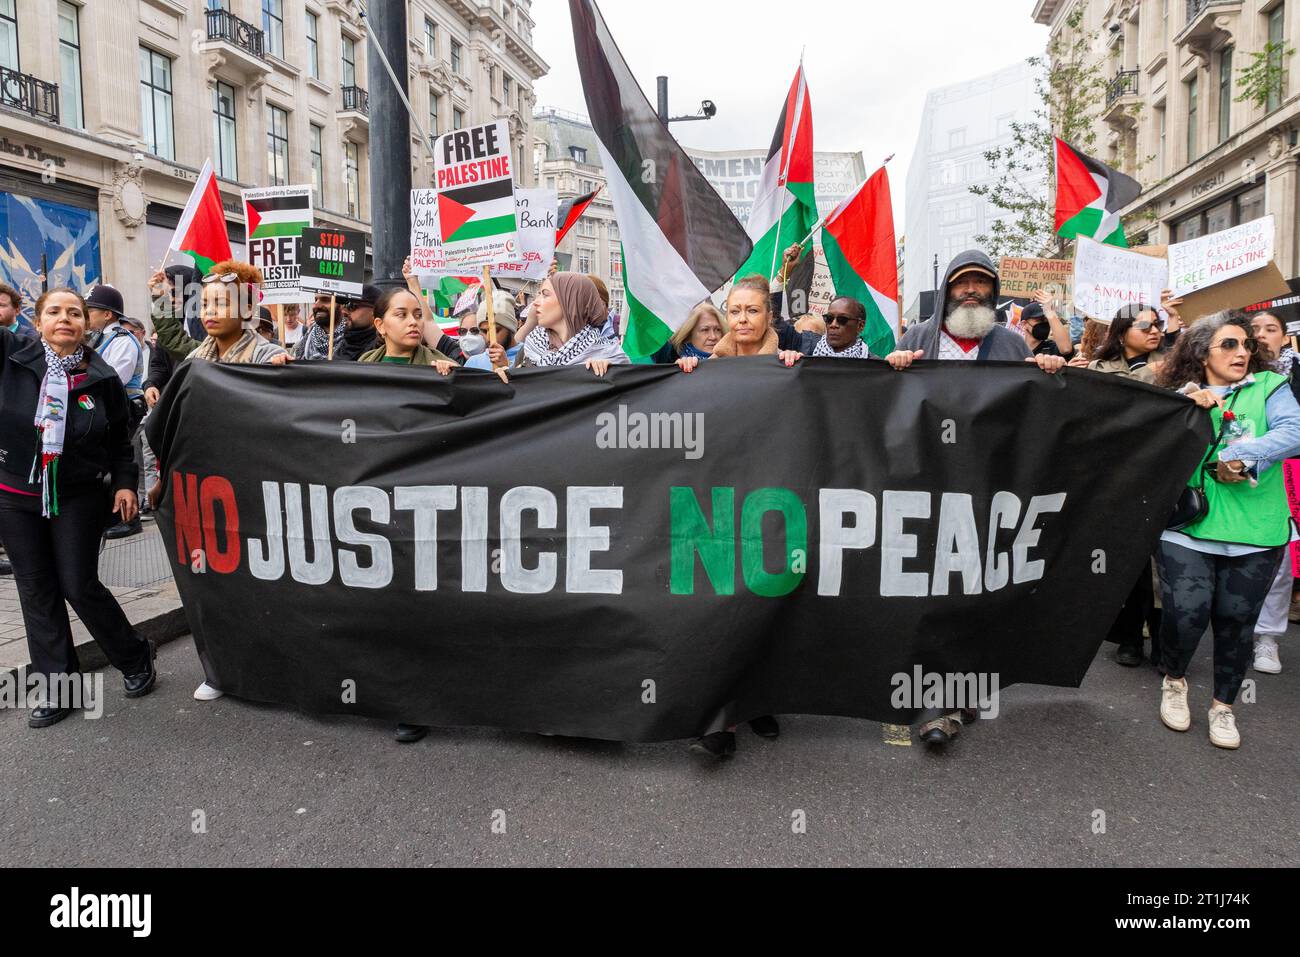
[(654, 555)]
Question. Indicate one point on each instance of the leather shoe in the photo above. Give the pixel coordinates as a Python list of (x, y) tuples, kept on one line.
[(410, 733), (125, 529), (45, 716), (137, 686), (939, 731), (1130, 656), (765, 726), (718, 745)]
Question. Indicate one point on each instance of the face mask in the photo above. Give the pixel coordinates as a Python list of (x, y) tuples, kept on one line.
[(473, 344), (1041, 330)]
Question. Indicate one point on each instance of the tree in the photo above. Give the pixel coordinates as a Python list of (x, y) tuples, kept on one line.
[(1071, 87)]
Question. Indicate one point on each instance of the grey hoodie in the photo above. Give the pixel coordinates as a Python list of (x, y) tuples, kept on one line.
[(1000, 344)]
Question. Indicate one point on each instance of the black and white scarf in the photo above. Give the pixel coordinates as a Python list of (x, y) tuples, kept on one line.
[(316, 340), (1286, 362), (538, 347), (858, 350), (51, 421)]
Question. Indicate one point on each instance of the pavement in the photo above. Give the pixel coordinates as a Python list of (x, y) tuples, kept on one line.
[(1062, 777), (136, 570)]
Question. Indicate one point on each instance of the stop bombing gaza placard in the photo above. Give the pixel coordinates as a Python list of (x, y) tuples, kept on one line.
[(474, 177), (276, 217)]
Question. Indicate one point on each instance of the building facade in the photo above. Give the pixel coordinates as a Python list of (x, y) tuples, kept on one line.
[(109, 109), (958, 125), (1174, 115), (567, 157)]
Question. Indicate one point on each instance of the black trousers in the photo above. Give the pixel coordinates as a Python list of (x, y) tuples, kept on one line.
[(57, 559)]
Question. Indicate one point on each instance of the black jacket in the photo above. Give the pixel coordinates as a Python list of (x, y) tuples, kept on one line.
[(96, 444), (161, 367)]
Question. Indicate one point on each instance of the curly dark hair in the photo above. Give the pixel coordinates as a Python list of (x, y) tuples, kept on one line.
[(1112, 347), (1187, 361)]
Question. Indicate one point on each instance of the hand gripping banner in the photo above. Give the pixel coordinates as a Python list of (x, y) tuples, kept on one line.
[(655, 555)]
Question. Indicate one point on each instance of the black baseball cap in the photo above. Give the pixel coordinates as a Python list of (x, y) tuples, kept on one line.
[(107, 298), (369, 296)]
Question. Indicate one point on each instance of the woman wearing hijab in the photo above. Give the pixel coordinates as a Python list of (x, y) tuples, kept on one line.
[(570, 315), (64, 426)]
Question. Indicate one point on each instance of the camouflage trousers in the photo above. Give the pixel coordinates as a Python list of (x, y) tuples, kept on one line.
[(1199, 590)]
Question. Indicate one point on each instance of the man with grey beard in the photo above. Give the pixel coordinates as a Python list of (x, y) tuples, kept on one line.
[(964, 327)]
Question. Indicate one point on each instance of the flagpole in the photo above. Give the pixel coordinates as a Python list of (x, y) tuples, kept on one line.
[(785, 173), (377, 47)]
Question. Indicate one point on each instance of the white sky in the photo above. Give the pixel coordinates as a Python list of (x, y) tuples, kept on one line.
[(869, 64)]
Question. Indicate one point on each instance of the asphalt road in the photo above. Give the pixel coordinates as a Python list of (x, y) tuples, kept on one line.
[(280, 788)]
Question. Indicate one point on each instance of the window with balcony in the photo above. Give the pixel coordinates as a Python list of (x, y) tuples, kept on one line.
[(70, 66), (317, 164), (313, 46), (277, 146), (455, 56), (348, 54), (156, 104), (223, 130), (352, 175), (430, 37), (273, 26), (1276, 45), (9, 34), (1225, 93), (1190, 87)]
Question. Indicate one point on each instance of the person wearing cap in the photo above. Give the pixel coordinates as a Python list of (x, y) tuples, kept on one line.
[(108, 335), (359, 334), (505, 349), (1045, 332), (964, 327)]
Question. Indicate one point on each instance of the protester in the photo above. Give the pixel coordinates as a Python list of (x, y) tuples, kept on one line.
[(570, 314), (1094, 334), (314, 344), (186, 300), (505, 350), (845, 320), (964, 327), (291, 313), (266, 325), (697, 336), (360, 335), (1275, 349), (457, 349), (1044, 331), (108, 334), (399, 320), (1132, 336), (11, 304), (64, 425), (1217, 569)]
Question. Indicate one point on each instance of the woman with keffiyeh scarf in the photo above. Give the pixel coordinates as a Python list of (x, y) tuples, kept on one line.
[(570, 315), (65, 454)]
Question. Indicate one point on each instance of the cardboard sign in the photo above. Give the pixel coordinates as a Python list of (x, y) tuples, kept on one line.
[(1257, 286), (276, 217), (1108, 278), (1218, 257), (474, 174), (334, 261), (1022, 277), (537, 211)]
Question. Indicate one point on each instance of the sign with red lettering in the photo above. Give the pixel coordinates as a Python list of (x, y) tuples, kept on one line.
[(334, 261), (474, 176), (1108, 278), (537, 211), (1208, 260)]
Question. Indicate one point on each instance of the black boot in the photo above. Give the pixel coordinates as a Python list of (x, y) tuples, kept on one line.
[(45, 715), (718, 745), (410, 733)]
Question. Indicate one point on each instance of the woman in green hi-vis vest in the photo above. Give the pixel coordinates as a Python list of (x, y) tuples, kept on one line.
[(1217, 570)]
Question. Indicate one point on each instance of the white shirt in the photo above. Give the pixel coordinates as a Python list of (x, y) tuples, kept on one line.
[(948, 349), (123, 353)]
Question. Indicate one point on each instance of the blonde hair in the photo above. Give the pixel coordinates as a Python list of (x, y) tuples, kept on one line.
[(687, 328), (754, 283)]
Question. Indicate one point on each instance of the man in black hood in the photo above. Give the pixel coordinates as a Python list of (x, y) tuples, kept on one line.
[(964, 327)]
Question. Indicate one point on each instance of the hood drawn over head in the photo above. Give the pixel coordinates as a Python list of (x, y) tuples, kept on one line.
[(971, 257)]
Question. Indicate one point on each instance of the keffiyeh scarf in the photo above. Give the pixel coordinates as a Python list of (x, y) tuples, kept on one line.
[(240, 353), (858, 350), (538, 347), (1286, 362), (316, 340), (51, 420)]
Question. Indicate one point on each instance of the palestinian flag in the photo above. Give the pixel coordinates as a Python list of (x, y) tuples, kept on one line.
[(680, 240), (447, 290), (1089, 196), (858, 239), (201, 232), (274, 216), (785, 209), (571, 211)]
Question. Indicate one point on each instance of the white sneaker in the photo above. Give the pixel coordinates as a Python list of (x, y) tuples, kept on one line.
[(1266, 658), (1173, 705), (1223, 728), (205, 692)]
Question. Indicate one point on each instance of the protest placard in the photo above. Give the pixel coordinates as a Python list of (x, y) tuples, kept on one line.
[(333, 261), (1107, 278), (276, 217), (474, 175), (1021, 277), (536, 211), (1208, 260)]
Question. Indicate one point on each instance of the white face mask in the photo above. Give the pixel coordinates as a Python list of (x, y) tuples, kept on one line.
[(473, 344)]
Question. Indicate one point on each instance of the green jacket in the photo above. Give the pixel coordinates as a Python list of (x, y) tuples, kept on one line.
[(424, 356), (171, 331)]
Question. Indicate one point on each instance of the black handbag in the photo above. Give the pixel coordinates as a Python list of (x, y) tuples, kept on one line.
[(1193, 505)]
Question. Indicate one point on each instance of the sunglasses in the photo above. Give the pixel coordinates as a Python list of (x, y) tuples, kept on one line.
[(1232, 345), (226, 277), (840, 320), (1142, 325)]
